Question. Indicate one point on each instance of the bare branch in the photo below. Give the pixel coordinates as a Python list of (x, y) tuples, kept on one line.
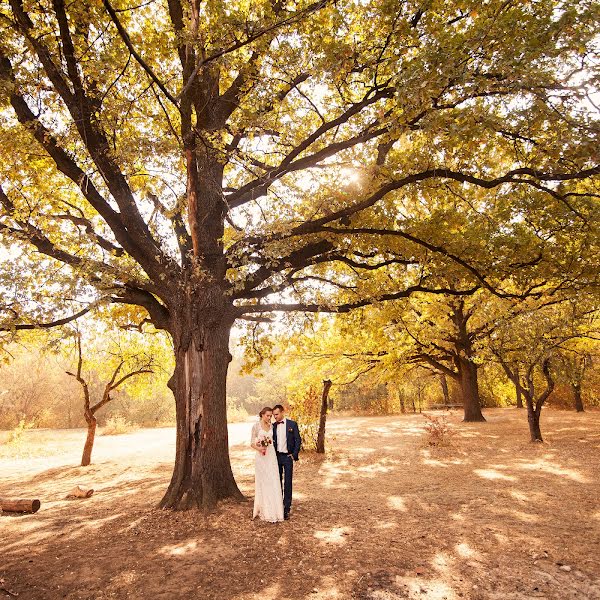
[(78, 376), (51, 324)]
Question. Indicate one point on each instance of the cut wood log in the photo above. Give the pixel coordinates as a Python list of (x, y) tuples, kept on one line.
[(79, 492), (19, 506)]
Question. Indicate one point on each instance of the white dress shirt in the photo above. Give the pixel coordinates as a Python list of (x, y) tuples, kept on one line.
[(281, 436)]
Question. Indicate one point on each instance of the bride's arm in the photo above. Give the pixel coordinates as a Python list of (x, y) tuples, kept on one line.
[(254, 436)]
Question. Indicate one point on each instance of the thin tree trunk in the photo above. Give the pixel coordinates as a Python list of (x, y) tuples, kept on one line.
[(444, 384), (533, 419), (202, 473), (519, 394), (402, 402), (323, 417), (86, 457), (469, 387), (578, 399), (515, 377), (534, 409)]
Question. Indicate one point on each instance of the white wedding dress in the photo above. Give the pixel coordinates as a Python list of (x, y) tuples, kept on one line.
[(268, 499)]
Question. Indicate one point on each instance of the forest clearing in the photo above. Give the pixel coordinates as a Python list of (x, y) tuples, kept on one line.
[(381, 516)]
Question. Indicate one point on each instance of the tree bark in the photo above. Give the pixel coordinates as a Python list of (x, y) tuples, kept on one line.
[(469, 387), (91, 421), (323, 417), (578, 399), (202, 473)]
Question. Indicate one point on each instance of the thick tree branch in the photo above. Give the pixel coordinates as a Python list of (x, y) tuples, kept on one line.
[(348, 306), (258, 187), (159, 313), (92, 268), (320, 224), (295, 260), (229, 100), (64, 162), (436, 364)]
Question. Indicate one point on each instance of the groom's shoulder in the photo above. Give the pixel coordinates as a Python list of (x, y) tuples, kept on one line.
[(291, 421)]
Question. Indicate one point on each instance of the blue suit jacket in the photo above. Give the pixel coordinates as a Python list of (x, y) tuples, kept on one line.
[(294, 443)]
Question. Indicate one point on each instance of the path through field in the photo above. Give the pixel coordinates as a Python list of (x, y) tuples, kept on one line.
[(381, 517)]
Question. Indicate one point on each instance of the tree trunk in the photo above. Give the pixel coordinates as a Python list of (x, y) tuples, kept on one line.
[(578, 399), (515, 377), (444, 383), (519, 395), (402, 402), (86, 458), (469, 387), (323, 417), (533, 419), (202, 473)]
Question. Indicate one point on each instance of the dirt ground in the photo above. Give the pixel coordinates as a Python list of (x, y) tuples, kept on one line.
[(381, 517)]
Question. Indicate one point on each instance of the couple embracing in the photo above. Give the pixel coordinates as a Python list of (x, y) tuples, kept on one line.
[(277, 445)]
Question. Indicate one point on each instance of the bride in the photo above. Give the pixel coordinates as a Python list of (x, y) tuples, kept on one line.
[(268, 499)]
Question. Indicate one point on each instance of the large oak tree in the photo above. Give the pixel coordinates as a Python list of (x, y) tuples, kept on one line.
[(216, 161)]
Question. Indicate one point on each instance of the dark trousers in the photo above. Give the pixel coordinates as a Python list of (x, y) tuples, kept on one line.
[(286, 474)]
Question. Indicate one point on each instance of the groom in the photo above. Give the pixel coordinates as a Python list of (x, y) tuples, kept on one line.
[(286, 440)]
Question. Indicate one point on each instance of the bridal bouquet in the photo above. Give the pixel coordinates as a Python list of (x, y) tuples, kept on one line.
[(264, 442)]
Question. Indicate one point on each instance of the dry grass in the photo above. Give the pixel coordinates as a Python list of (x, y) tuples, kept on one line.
[(117, 425), (382, 517)]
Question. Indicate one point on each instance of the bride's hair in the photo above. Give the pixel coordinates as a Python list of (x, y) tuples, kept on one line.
[(264, 410)]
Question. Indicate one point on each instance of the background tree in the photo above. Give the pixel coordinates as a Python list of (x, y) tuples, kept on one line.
[(128, 365), (535, 345), (193, 159), (575, 362), (34, 387)]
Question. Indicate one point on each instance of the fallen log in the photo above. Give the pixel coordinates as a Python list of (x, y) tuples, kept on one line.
[(19, 506)]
